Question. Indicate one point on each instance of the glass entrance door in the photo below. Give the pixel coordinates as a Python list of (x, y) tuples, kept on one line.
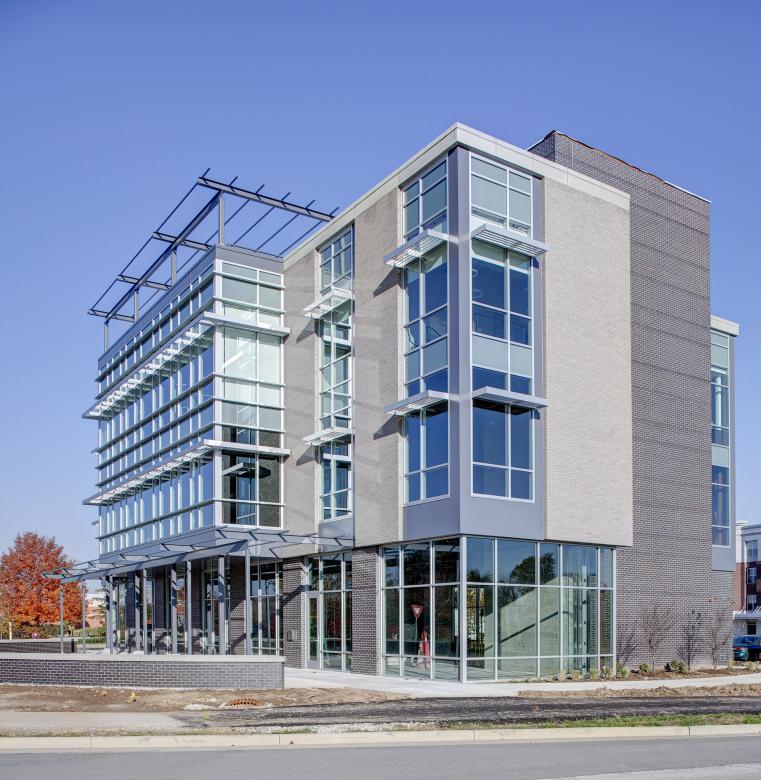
[(313, 632)]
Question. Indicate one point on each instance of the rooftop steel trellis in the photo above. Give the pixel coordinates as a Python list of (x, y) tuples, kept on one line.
[(137, 275)]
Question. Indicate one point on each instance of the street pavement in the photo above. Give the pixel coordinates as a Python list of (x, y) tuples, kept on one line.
[(652, 759)]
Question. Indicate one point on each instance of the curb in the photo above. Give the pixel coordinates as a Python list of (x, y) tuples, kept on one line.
[(359, 738)]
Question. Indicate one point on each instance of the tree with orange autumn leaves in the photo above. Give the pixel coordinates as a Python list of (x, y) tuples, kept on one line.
[(27, 599)]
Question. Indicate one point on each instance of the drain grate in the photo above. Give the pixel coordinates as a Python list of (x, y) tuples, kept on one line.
[(245, 702)]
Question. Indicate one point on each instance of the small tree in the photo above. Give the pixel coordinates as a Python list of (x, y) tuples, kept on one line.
[(626, 643), (719, 634), (692, 638), (30, 600), (655, 623)]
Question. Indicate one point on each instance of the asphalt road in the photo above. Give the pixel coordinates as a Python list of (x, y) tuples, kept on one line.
[(658, 759), (471, 710)]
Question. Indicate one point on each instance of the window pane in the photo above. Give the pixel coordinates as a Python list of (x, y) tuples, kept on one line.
[(519, 182), (417, 621), (436, 436), (391, 633), (519, 292), (413, 442), (606, 621), (488, 195), (447, 560), (606, 567), (488, 283), (484, 377), (520, 206), (516, 562), (579, 565), (487, 169), (489, 433), (549, 621), (490, 353), (417, 566), (435, 325), (520, 484), (480, 621), (517, 621), (490, 481), (520, 329), (520, 360), (520, 438), (269, 358), (446, 627), (489, 322), (480, 559), (434, 200), (391, 565), (435, 280), (436, 482), (413, 487), (579, 621), (435, 356), (549, 568), (412, 287)]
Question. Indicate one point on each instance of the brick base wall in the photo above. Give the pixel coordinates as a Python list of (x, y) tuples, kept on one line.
[(37, 645), (141, 672)]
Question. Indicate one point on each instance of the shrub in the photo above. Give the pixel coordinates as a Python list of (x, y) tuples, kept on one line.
[(594, 674), (645, 669), (576, 674), (562, 676), (680, 667), (607, 673)]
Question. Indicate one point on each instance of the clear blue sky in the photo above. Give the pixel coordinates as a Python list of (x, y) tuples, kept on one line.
[(110, 109)]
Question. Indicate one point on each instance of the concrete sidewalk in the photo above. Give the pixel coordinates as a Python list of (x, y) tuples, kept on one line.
[(321, 678), (23, 722)]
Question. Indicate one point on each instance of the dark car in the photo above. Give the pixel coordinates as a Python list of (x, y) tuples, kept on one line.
[(747, 647)]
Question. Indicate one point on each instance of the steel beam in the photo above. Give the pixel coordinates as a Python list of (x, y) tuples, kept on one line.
[(265, 199), (170, 239), (101, 313), (134, 280)]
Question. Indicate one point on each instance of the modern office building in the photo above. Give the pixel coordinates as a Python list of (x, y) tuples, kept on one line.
[(458, 431)]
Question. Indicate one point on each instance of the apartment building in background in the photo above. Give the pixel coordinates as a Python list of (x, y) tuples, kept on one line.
[(458, 431), (747, 592)]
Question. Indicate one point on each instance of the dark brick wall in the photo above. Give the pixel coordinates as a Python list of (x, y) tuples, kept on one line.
[(670, 561), (141, 672), (294, 644), (38, 645), (237, 620), (365, 609)]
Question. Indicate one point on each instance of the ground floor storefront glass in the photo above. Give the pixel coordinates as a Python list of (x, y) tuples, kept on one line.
[(329, 616), (266, 602), (529, 609)]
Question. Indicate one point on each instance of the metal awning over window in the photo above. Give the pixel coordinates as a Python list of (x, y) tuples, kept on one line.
[(105, 406), (498, 395), (509, 239), (426, 240), (416, 402), (326, 303), (327, 435)]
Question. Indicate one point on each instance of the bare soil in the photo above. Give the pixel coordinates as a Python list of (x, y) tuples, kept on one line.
[(48, 698), (732, 689)]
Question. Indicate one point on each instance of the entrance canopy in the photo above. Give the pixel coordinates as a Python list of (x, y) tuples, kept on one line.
[(260, 543)]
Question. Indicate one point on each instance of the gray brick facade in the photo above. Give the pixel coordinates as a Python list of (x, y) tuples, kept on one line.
[(366, 611), (670, 560), (294, 620)]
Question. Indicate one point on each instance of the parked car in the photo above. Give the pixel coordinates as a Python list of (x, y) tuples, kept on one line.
[(747, 647)]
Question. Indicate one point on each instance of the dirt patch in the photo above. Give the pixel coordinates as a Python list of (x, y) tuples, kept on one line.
[(662, 674), (733, 689), (44, 698)]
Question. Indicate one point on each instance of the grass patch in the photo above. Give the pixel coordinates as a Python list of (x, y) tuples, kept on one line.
[(711, 719)]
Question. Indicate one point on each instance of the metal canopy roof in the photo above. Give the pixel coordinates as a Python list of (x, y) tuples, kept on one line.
[(509, 239), (226, 540), (416, 247)]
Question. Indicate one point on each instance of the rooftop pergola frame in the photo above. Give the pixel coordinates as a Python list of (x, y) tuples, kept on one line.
[(147, 271)]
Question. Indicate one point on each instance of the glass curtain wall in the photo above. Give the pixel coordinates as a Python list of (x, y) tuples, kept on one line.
[(500, 195), (530, 609), (329, 613), (266, 609), (421, 610), (213, 592)]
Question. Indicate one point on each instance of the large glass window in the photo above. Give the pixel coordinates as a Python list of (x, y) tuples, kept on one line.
[(426, 322), (427, 453), (501, 319), (336, 368), (336, 261), (720, 437), (266, 608), (251, 489), (425, 202), (252, 295), (500, 195), (421, 609), (336, 484), (502, 450)]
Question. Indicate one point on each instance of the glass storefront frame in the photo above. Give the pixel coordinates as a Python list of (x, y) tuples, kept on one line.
[(329, 612)]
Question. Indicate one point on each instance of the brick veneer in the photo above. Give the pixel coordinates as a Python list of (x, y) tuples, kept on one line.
[(143, 672), (37, 645)]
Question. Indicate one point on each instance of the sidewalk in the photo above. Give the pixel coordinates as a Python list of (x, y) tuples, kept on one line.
[(63, 723), (321, 678)]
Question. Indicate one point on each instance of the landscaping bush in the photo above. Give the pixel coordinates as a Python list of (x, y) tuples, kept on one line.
[(680, 667), (594, 674), (645, 669), (576, 674)]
